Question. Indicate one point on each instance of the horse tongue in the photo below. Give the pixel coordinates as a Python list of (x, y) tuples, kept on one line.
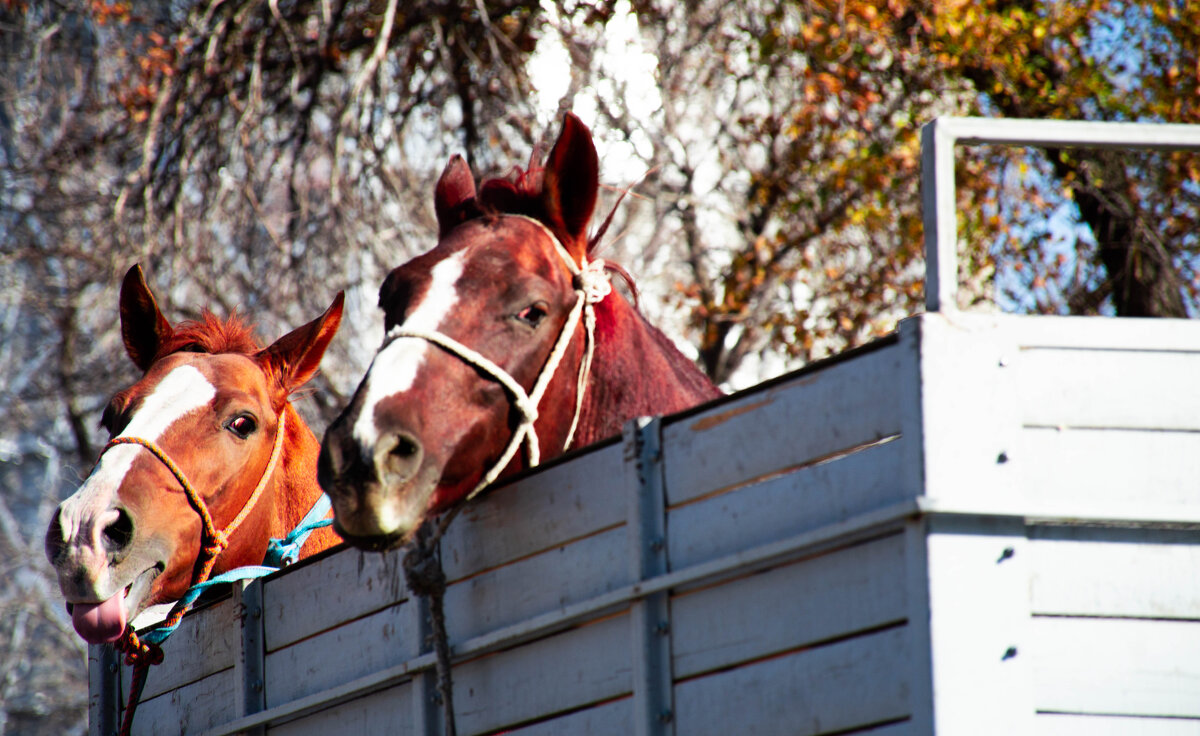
[(100, 622)]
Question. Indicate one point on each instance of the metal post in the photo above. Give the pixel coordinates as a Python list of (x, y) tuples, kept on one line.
[(252, 658), (653, 702), (104, 683)]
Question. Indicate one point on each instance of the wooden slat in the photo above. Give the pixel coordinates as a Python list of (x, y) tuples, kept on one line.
[(341, 587), (1109, 388), (384, 639), (832, 410), (205, 642), (833, 688), (819, 599), (615, 717), (544, 582), (1111, 466), (1081, 573), (1117, 666), (1054, 724), (385, 712), (787, 504), (561, 673), (543, 511), (1123, 333), (190, 709)]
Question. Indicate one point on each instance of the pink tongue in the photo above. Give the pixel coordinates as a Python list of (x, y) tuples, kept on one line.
[(100, 622)]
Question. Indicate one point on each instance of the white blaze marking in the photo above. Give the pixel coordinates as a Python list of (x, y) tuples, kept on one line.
[(185, 389), (395, 366)]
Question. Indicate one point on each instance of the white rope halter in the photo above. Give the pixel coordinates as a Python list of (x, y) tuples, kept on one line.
[(592, 285)]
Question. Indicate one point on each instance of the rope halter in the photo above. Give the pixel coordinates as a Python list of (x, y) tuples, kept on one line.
[(591, 283)]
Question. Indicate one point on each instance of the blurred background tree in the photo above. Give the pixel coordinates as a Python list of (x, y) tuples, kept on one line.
[(259, 155)]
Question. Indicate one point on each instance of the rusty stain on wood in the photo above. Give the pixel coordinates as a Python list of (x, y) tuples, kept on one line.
[(714, 420)]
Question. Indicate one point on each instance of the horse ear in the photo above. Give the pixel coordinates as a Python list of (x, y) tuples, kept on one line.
[(144, 329), (295, 357), (571, 180), (454, 194)]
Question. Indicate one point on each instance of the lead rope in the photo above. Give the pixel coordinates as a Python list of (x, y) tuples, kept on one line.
[(422, 564), (142, 654)]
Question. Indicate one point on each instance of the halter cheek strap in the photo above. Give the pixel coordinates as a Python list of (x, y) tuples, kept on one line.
[(592, 285)]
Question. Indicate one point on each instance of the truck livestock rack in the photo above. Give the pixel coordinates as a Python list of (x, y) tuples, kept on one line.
[(980, 524)]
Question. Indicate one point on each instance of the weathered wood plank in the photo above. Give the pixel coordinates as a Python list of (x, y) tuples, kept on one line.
[(614, 717), (545, 582), (300, 604), (1109, 388), (833, 410), (189, 709), (1110, 466), (1056, 724), (1132, 667), (384, 639), (837, 687), (206, 642), (831, 596), (588, 664), (1116, 573), (787, 504), (542, 511), (384, 712)]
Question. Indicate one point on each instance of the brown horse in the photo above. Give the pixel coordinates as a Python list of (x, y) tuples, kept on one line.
[(212, 403), (502, 336)]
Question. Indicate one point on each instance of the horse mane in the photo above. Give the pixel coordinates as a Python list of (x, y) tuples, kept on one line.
[(213, 335)]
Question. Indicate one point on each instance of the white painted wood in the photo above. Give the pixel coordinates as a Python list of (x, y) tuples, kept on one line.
[(189, 709), (586, 665), (383, 639), (1138, 468), (1124, 333), (831, 688), (800, 421), (385, 712), (301, 603), (1104, 572), (818, 599), (978, 626), (544, 582), (547, 509), (202, 645), (1057, 724), (967, 411), (1117, 666), (615, 717), (1109, 388), (784, 505)]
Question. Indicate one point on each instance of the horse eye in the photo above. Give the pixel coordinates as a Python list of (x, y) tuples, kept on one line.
[(532, 315), (243, 425)]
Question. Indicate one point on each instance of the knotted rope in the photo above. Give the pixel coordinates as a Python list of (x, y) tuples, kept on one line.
[(140, 653), (422, 564)]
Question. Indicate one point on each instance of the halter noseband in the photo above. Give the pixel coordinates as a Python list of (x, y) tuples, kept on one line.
[(592, 285)]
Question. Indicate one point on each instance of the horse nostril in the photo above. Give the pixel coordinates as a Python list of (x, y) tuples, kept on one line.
[(405, 447), (55, 545), (119, 533), (400, 461)]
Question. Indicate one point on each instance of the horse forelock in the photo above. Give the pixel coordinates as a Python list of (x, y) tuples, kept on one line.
[(213, 335)]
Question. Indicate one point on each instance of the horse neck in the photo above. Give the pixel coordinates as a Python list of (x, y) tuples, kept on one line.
[(296, 490), (636, 371)]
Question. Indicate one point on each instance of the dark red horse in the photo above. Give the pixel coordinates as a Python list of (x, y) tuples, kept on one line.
[(504, 346), (214, 404)]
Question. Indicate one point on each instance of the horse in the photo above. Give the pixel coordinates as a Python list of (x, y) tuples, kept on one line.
[(505, 335), (206, 436)]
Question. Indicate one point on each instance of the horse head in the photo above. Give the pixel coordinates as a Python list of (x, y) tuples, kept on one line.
[(487, 363), (207, 429)]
